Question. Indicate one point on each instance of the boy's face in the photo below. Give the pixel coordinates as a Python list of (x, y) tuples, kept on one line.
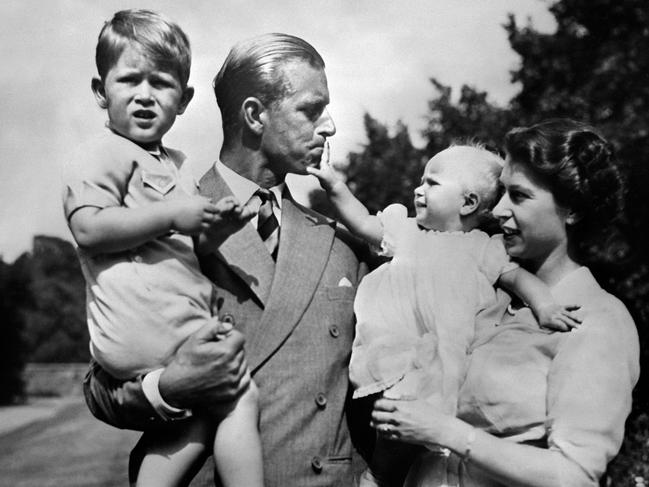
[(142, 100)]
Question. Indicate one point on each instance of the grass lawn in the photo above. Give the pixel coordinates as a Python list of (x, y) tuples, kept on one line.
[(69, 448)]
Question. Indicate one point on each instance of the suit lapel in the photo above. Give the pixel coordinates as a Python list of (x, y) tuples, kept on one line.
[(244, 252), (304, 248)]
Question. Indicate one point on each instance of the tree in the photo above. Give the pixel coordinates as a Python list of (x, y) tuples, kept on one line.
[(472, 118), (388, 168), (14, 296), (56, 329)]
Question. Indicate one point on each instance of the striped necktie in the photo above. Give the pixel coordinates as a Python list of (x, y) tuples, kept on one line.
[(267, 224)]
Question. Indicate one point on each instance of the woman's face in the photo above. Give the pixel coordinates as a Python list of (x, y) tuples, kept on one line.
[(534, 226)]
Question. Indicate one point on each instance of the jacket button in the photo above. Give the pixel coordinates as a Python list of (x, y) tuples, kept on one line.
[(228, 318), (316, 464), (334, 331), (321, 400)]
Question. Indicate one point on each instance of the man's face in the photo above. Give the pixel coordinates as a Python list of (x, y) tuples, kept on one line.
[(296, 127)]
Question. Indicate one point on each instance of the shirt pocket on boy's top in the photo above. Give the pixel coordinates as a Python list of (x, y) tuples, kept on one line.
[(161, 182)]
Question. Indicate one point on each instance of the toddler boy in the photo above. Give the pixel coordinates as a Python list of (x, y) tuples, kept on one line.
[(133, 207)]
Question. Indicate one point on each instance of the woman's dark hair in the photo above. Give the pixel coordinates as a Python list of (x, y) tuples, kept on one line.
[(580, 169)]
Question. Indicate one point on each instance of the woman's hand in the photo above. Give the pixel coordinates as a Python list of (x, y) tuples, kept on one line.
[(411, 421)]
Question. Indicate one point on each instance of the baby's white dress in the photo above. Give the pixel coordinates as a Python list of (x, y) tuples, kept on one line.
[(416, 313)]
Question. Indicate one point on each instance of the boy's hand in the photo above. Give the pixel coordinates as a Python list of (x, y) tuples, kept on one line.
[(192, 215), (230, 216), (325, 173), (559, 317)]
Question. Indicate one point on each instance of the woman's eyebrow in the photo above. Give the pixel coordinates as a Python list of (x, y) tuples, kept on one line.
[(520, 188)]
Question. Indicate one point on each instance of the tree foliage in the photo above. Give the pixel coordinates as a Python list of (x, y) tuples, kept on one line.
[(56, 329), (472, 117), (387, 169), (43, 308), (14, 297)]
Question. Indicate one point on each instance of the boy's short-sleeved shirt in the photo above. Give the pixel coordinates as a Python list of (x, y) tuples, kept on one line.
[(144, 302)]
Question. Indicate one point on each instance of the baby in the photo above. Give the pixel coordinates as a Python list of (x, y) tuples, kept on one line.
[(133, 207), (416, 313)]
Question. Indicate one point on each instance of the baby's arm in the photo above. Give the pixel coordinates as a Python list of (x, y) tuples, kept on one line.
[(352, 212), (537, 295), (117, 228)]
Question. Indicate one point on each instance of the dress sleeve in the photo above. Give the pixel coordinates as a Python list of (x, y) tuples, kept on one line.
[(495, 260), (95, 176), (396, 227), (589, 387)]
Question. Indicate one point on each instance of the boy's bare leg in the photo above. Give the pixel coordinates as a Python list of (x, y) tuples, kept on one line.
[(173, 456), (237, 445)]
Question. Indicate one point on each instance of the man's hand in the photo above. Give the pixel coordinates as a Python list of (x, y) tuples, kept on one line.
[(208, 369)]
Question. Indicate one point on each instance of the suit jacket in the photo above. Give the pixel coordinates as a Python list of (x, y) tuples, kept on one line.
[(299, 326)]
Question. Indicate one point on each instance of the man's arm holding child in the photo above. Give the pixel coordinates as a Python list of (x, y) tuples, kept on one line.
[(352, 212), (536, 294), (205, 372)]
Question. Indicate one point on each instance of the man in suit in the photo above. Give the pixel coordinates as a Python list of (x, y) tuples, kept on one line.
[(286, 281)]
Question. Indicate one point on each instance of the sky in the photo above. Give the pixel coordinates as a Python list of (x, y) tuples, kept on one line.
[(380, 55)]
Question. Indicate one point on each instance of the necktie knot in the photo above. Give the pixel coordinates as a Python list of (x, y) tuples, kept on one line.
[(264, 195)]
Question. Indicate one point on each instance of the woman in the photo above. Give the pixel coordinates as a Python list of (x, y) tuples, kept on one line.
[(539, 408)]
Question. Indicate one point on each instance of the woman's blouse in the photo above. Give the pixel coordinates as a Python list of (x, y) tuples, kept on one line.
[(571, 391)]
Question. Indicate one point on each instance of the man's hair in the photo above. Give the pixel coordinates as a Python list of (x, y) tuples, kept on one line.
[(254, 67), (158, 39)]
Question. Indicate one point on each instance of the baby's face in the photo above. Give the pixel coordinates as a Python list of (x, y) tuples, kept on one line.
[(142, 99), (440, 196)]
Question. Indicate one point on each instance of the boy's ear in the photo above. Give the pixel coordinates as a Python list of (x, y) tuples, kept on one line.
[(254, 115), (471, 204), (97, 86), (188, 94)]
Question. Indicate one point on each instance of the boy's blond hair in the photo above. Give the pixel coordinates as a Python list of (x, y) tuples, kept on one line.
[(160, 40)]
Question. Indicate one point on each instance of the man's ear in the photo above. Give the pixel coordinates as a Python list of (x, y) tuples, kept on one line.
[(97, 86), (188, 94), (254, 115), (471, 203)]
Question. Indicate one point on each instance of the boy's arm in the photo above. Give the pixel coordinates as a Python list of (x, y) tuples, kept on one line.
[(352, 212), (116, 228), (536, 294), (231, 216)]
